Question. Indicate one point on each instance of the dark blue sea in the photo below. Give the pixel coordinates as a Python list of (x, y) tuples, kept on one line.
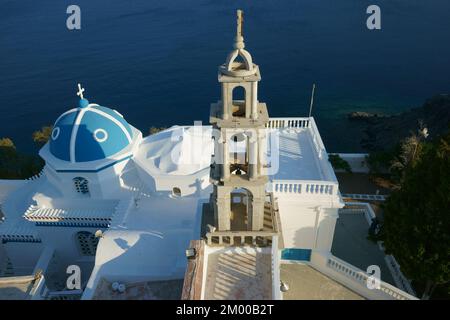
[(156, 61)]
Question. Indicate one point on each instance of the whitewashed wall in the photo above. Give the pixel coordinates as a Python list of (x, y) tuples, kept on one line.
[(307, 226)]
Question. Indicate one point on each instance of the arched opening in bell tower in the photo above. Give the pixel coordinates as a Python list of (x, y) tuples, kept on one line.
[(239, 155), (241, 209), (239, 102)]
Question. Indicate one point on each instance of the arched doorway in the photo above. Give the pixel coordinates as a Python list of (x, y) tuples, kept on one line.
[(241, 209)]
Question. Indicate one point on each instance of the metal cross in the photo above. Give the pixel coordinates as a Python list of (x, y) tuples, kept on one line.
[(80, 91)]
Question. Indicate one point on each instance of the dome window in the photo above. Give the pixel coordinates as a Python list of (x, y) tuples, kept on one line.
[(55, 133), (100, 135)]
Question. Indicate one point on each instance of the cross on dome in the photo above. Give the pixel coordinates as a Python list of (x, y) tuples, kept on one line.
[(83, 103), (80, 91)]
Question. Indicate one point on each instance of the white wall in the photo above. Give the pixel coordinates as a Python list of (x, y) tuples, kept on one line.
[(307, 226), (103, 184)]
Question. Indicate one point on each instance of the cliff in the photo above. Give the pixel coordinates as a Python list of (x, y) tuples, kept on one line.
[(382, 133)]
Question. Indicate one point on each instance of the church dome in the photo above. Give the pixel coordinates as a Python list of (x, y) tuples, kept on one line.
[(88, 133)]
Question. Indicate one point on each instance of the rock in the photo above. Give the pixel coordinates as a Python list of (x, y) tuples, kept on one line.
[(362, 115), (383, 133)]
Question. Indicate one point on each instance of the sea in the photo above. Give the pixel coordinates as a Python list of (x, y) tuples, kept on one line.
[(155, 61)]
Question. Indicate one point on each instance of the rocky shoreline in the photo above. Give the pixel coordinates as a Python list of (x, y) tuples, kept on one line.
[(383, 132)]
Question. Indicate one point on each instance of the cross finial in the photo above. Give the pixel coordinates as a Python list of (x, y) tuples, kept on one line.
[(240, 21), (80, 91)]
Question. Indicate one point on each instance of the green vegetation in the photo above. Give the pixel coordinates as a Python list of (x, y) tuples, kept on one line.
[(15, 165), (380, 161), (338, 163), (42, 136), (154, 130), (393, 162), (416, 227)]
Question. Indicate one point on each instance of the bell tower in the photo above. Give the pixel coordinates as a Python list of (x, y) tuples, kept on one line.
[(238, 169)]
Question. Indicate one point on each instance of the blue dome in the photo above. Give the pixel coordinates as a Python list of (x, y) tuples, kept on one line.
[(90, 132)]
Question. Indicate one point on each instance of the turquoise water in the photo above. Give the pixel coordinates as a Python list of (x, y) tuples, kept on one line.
[(156, 61)]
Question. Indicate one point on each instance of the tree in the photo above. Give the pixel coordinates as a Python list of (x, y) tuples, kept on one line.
[(416, 227), (42, 136), (15, 165), (408, 153), (379, 162), (338, 163), (154, 130)]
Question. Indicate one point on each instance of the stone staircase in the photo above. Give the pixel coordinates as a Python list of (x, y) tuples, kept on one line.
[(268, 221)]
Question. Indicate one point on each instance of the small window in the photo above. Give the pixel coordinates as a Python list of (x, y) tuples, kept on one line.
[(81, 185), (176, 192), (87, 243)]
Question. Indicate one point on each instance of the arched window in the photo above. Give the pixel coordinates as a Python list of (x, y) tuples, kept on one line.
[(238, 153), (87, 243), (238, 107), (81, 185), (176, 192)]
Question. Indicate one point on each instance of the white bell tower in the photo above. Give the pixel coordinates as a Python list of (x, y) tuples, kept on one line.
[(238, 170)]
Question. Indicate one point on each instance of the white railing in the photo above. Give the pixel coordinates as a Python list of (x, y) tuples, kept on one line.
[(304, 187), (358, 276), (400, 280), (355, 279), (288, 123), (303, 122), (276, 292), (370, 197)]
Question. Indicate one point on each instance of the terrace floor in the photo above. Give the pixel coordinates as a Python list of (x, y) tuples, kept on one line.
[(350, 244), (297, 156), (306, 283)]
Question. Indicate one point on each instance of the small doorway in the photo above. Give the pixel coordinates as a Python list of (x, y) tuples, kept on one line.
[(241, 200)]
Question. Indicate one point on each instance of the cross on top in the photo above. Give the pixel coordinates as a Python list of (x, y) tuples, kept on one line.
[(240, 21), (80, 91)]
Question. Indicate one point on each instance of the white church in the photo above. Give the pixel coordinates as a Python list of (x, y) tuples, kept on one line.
[(237, 209)]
